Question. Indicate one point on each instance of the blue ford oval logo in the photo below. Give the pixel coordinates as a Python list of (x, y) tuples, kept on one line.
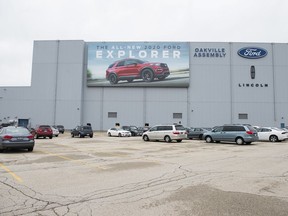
[(252, 52)]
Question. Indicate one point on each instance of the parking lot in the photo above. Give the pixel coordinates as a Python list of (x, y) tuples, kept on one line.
[(127, 176)]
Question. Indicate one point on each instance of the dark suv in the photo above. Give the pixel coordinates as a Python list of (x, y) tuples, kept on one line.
[(43, 131), (130, 69), (60, 128), (82, 131), (232, 133), (133, 129)]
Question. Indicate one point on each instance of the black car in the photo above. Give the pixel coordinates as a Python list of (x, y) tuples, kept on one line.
[(82, 131), (133, 129), (143, 129), (60, 128), (196, 132)]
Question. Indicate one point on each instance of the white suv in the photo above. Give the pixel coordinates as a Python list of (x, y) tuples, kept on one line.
[(166, 133)]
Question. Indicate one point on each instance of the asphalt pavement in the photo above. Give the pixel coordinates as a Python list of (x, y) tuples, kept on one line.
[(127, 176)]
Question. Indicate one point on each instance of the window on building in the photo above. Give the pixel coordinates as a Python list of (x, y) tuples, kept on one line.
[(242, 116), (177, 115), (112, 114)]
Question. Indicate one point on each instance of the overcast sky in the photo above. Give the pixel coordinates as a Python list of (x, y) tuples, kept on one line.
[(23, 21)]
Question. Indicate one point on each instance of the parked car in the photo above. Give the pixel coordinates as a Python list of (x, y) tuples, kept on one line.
[(118, 132), (55, 131), (232, 133), (130, 69), (5, 125), (143, 129), (133, 129), (271, 134), (82, 131), (32, 131), (43, 131), (60, 128), (167, 133), (13, 137), (196, 132), (285, 129)]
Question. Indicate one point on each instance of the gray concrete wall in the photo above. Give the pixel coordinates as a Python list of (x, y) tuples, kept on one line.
[(57, 81), (55, 95), (134, 106)]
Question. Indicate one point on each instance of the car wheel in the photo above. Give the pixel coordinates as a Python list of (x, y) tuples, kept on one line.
[(273, 138), (167, 139), (180, 140), (147, 75), (109, 134), (113, 79), (145, 138), (208, 139), (50, 137), (30, 149), (239, 141), (119, 135), (91, 136)]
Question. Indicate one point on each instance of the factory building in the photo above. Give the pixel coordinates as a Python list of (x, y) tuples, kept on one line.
[(147, 83)]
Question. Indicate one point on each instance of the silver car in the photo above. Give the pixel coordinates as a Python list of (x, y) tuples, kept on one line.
[(167, 133), (13, 137), (232, 133)]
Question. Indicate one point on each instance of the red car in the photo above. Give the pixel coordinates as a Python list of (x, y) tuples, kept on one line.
[(130, 69), (43, 131)]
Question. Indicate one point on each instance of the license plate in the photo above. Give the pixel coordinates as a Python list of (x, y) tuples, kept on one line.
[(16, 139)]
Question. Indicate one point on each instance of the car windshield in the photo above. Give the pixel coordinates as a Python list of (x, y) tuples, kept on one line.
[(86, 127), (133, 61), (179, 127), (251, 128), (16, 131), (277, 129), (217, 129), (45, 127)]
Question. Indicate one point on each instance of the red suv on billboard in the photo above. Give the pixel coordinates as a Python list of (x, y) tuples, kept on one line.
[(130, 69)]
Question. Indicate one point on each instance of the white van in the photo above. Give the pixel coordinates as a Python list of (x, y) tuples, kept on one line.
[(167, 133)]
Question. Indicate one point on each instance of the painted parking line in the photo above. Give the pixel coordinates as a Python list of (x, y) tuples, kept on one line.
[(11, 173), (76, 161)]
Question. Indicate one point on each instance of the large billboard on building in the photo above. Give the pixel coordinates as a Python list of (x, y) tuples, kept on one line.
[(141, 64)]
